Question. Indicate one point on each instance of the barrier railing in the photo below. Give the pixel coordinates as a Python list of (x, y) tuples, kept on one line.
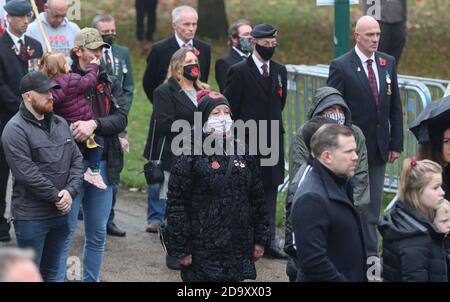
[(303, 81)]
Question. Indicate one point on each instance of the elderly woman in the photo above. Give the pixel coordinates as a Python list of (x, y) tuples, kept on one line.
[(217, 224)]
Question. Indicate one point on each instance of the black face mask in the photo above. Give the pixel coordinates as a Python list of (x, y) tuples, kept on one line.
[(109, 39), (191, 72), (266, 53)]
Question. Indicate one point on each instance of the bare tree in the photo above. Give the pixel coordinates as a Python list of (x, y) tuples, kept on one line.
[(212, 17)]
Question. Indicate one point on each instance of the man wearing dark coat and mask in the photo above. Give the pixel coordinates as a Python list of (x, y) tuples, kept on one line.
[(256, 89)]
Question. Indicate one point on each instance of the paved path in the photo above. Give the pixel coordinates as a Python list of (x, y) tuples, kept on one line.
[(139, 256)]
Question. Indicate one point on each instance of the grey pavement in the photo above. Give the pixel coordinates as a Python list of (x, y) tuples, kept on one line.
[(139, 257)]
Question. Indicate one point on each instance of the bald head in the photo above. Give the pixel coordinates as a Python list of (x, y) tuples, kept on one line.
[(367, 35), (56, 11)]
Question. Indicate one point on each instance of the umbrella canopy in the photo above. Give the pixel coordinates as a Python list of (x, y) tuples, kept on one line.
[(435, 116)]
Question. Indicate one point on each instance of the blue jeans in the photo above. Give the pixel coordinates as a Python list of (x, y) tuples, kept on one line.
[(46, 237), (96, 208), (95, 154), (156, 207)]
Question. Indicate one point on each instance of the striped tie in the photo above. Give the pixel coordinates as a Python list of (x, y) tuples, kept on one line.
[(373, 82)]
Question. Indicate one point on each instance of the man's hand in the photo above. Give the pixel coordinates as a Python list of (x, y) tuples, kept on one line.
[(186, 261), (82, 130), (95, 61), (65, 202), (124, 143), (258, 252), (393, 155)]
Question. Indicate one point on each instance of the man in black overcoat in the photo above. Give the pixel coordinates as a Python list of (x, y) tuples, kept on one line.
[(240, 49), (184, 23), (256, 90), (368, 81), (18, 55)]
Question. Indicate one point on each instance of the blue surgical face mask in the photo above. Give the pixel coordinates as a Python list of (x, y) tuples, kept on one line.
[(338, 117)]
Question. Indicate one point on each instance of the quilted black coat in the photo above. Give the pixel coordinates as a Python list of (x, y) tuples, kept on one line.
[(216, 219)]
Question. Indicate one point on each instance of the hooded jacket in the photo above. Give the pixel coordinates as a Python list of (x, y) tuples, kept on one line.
[(413, 248), (299, 152)]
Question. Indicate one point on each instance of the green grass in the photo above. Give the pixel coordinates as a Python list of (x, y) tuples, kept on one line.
[(305, 37)]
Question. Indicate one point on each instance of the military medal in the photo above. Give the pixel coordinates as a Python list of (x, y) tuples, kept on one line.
[(124, 67), (388, 81)]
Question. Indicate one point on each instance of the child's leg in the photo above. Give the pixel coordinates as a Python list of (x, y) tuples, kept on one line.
[(95, 154)]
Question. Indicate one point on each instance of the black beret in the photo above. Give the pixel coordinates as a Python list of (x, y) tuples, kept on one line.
[(264, 31), (18, 7)]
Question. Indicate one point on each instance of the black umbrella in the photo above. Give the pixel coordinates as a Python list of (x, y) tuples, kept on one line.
[(435, 115)]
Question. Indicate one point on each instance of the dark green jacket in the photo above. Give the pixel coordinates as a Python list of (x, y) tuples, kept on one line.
[(123, 72)]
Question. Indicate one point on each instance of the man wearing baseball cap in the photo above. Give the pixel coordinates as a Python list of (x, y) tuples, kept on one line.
[(256, 89), (110, 119), (48, 172), (19, 54)]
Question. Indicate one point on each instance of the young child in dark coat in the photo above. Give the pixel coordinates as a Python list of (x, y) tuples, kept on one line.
[(413, 247), (70, 102)]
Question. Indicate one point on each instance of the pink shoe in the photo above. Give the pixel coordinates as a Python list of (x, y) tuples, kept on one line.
[(95, 179)]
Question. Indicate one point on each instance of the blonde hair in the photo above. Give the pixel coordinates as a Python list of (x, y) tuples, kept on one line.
[(414, 179), (53, 64), (176, 68), (445, 206)]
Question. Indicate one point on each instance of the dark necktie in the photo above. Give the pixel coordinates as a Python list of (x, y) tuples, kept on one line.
[(187, 46), (373, 81), (22, 51), (109, 67), (265, 71)]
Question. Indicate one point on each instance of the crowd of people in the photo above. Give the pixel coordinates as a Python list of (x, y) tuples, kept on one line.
[(64, 114)]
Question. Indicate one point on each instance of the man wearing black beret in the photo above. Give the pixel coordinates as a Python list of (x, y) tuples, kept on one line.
[(18, 55), (256, 90)]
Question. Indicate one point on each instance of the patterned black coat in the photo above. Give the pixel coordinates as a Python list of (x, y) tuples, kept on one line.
[(216, 220)]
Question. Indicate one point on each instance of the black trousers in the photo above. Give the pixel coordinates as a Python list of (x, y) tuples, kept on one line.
[(145, 7), (392, 39)]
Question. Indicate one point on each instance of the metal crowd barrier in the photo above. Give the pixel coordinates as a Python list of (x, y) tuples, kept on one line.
[(303, 81)]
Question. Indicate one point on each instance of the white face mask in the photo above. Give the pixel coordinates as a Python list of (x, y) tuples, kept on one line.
[(339, 117), (218, 125)]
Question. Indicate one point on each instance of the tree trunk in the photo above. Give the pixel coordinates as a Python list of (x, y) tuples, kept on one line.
[(212, 19)]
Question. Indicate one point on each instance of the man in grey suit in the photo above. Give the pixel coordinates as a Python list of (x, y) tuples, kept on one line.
[(368, 81)]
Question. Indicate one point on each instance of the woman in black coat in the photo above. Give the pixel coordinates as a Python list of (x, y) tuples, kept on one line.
[(173, 100), (413, 247), (217, 224)]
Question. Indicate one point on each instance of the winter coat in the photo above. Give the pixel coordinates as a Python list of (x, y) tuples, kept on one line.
[(43, 162), (413, 248), (214, 218), (110, 113), (70, 101), (299, 152), (327, 229)]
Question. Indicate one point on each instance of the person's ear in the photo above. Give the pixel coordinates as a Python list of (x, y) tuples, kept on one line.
[(326, 157)]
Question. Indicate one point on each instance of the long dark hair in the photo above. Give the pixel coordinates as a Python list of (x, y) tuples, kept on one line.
[(433, 149)]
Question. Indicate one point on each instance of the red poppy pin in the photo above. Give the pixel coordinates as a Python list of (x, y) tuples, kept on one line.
[(194, 71), (100, 88), (30, 52), (215, 165), (196, 52), (280, 92), (383, 62)]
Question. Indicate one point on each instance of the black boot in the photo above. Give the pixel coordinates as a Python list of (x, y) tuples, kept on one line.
[(4, 231)]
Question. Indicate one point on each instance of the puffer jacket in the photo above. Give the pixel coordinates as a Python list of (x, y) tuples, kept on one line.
[(43, 162), (299, 152), (70, 101), (214, 218), (413, 248)]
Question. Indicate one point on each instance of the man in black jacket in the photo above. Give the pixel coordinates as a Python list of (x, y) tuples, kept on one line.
[(240, 49), (256, 90), (184, 23), (18, 54), (368, 81), (327, 230), (48, 173)]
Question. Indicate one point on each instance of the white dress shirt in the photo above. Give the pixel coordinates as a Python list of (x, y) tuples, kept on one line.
[(110, 53), (16, 39), (259, 64), (181, 42), (364, 59)]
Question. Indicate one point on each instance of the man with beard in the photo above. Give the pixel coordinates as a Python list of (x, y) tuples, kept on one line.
[(48, 172), (241, 48), (18, 54), (256, 90)]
